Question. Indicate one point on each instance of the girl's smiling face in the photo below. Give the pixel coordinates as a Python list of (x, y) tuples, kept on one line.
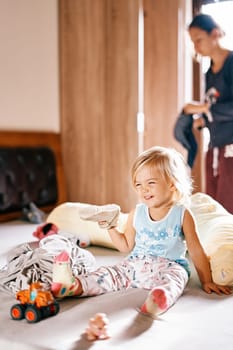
[(152, 188)]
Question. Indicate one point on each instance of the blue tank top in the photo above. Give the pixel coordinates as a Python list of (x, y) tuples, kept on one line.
[(164, 238)]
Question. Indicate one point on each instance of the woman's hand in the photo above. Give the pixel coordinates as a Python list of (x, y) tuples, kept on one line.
[(210, 287), (198, 123)]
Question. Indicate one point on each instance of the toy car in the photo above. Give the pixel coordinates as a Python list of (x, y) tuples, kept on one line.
[(35, 304)]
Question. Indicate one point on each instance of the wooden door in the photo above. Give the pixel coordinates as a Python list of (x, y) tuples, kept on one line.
[(98, 50)]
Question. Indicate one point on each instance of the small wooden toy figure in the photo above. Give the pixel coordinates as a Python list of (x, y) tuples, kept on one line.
[(98, 327)]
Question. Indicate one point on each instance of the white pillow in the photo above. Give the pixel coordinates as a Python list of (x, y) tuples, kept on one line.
[(215, 227), (66, 217)]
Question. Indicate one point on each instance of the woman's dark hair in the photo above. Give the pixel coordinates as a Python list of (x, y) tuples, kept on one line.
[(204, 22)]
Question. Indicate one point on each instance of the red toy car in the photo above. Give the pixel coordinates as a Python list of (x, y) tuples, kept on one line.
[(35, 304)]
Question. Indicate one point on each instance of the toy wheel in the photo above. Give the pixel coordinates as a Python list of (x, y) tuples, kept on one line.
[(45, 311), (50, 310), (32, 314), (55, 308), (18, 311)]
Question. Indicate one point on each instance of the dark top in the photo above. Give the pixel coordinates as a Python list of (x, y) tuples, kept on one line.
[(221, 83)]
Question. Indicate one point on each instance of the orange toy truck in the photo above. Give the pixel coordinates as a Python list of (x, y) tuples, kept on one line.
[(35, 304)]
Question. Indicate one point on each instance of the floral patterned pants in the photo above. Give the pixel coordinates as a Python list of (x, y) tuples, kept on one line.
[(144, 272)]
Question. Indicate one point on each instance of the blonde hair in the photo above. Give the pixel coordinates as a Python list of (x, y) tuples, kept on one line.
[(171, 166)]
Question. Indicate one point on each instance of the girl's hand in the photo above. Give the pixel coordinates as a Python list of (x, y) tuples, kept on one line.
[(210, 287)]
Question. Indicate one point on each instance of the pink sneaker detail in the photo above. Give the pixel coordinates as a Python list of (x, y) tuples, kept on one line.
[(62, 257), (155, 303), (56, 287), (45, 230), (143, 308), (159, 298)]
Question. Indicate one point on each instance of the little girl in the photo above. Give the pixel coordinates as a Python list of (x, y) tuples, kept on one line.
[(155, 239)]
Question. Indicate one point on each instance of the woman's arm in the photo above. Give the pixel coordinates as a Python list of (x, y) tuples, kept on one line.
[(199, 257), (201, 109), (196, 108)]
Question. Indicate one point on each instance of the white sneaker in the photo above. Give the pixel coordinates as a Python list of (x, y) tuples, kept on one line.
[(105, 215)]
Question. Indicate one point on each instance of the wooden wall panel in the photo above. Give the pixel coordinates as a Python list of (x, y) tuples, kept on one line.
[(164, 58), (98, 50), (121, 98), (161, 71), (99, 91)]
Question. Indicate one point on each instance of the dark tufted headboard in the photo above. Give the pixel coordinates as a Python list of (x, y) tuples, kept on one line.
[(30, 171)]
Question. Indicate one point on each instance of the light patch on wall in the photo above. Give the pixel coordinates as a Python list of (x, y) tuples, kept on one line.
[(222, 13), (29, 85)]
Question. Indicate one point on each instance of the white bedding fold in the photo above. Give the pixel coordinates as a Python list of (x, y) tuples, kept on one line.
[(26, 264)]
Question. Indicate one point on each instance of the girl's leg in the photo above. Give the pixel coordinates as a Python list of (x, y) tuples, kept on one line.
[(169, 282), (103, 280), (64, 283)]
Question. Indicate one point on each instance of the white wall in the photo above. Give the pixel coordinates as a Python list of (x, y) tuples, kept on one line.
[(29, 80)]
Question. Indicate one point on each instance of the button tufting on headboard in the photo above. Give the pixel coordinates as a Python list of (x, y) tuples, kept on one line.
[(27, 174)]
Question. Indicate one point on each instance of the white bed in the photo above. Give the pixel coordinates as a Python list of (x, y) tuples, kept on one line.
[(196, 321)]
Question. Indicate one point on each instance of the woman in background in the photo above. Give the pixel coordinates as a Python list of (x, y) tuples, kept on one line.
[(216, 113)]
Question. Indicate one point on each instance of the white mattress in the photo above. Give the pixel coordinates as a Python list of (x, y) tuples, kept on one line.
[(196, 321)]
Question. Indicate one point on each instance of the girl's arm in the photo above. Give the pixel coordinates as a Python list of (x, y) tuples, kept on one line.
[(199, 257), (124, 242)]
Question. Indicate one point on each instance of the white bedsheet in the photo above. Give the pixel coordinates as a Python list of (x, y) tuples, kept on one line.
[(196, 321)]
